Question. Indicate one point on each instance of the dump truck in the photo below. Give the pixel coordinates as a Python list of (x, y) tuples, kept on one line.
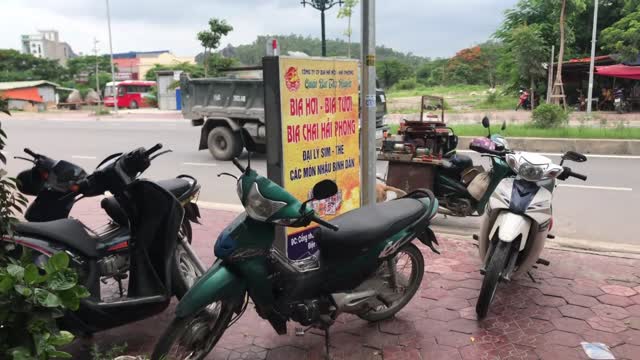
[(230, 111)]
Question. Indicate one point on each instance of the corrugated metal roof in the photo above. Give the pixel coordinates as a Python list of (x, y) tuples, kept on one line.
[(25, 84)]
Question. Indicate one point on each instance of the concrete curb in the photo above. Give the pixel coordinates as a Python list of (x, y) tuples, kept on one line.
[(561, 145), (559, 243)]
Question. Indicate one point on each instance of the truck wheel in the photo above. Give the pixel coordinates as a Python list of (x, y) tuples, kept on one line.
[(224, 144), (133, 105)]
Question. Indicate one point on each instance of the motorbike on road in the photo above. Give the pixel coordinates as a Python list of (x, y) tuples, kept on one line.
[(154, 217), (50, 182), (367, 265), (463, 189), (620, 104), (519, 218)]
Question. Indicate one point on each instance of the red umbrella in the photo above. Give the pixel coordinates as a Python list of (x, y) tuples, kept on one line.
[(619, 71)]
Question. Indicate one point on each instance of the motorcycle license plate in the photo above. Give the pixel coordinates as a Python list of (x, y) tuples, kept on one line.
[(617, 101)]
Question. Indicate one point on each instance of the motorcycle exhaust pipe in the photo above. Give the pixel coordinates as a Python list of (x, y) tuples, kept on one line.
[(352, 302)]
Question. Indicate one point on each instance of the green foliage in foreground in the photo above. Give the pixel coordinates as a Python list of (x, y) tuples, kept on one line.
[(549, 116)]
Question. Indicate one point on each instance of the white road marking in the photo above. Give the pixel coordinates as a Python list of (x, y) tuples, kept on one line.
[(220, 206), (83, 157), (595, 187), (628, 157), (199, 164)]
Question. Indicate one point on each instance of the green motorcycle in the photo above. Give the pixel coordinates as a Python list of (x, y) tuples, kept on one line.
[(366, 265)]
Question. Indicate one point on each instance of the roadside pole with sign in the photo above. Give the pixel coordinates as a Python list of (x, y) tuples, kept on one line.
[(311, 111)]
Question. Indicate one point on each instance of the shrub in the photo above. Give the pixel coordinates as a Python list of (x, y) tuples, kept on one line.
[(549, 116), (31, 297), (406, 84), (492, 98)]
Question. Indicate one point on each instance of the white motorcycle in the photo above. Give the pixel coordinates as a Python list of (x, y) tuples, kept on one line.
[(518, 219)]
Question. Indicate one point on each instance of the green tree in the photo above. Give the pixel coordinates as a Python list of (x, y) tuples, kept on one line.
[(87, 64), (194, 70), (210, 38), (623, 37), (346, 11), (528, 50), (392, 71), (15, 66)]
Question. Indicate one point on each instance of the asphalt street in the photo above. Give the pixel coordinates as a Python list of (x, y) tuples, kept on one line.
[(605, 208)]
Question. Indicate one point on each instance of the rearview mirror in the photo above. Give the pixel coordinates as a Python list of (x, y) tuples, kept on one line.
[(574, 156), (485, 122), (324, 189), (504, 126)]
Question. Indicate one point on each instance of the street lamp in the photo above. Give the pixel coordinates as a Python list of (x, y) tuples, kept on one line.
[(322, 5), (593, 56), (113, 72)]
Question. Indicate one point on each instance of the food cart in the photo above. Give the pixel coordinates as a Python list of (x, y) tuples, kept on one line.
[(418, 149)]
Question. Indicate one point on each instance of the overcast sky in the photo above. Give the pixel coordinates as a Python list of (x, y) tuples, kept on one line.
[(431, 28)]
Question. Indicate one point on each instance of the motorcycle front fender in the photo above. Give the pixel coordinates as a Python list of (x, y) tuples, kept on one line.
[(509, 226), (218, 283)]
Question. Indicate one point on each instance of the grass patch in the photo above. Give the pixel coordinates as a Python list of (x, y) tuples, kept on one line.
[(581, 132), (436, 90)]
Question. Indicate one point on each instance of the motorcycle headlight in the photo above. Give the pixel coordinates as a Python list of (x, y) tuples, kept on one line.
[(531, 172), (260, 208), (526, 170), (239, 188)]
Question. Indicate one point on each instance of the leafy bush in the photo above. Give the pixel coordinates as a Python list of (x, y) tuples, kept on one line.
[(406, 84), (492, 98), (31, 297), (549, 116)]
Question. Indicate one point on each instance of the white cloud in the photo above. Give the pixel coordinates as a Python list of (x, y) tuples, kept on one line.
[(429, 28)]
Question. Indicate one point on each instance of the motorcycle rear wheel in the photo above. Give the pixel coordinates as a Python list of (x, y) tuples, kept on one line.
[(195, 336), (185, 272), (492, 276), (408, 285)]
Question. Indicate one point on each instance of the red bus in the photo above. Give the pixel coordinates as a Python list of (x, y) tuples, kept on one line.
[(132, 94)]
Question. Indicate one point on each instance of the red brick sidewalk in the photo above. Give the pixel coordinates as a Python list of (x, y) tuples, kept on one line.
[(580, 297)]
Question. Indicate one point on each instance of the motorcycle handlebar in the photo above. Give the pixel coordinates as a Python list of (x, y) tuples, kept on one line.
[(155, 148), (236, 162), (30, 152), (326, 224), (569, 173), (484, 150)]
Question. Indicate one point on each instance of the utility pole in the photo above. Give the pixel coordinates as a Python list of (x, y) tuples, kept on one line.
[(95, 53), (550, 82), (113, 70), (322, 5), (593, 56), (368, 99)]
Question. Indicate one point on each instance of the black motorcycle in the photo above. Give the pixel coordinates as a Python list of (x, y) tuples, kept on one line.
[(51, 182), (154, 216)]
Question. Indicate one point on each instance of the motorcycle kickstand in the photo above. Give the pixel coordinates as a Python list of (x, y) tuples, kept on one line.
[(531, 277), (326, 344)]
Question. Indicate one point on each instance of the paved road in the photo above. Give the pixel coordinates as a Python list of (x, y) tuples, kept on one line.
[(606, 210)]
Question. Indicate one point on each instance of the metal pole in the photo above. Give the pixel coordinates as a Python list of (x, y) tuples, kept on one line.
[(593, 56), (324, 41), (550, 82), (95, 53), (368, 86), (113, 70)]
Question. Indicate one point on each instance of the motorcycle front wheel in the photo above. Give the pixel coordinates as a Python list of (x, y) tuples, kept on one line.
[(496, 266), (193, 337), (400, 279), (185, 271)]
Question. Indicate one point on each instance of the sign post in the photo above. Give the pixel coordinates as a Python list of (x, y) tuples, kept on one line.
[(311, 113)]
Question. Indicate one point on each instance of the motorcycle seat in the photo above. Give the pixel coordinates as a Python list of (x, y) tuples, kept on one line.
[(69, 232), (178, 187), (367, 226), (460, 162)]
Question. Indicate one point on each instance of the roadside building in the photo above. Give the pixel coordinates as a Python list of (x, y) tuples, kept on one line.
[(46, 44), (134, 65), (29, 95)]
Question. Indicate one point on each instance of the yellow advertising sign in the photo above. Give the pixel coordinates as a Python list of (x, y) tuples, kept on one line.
[(320, 138)]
